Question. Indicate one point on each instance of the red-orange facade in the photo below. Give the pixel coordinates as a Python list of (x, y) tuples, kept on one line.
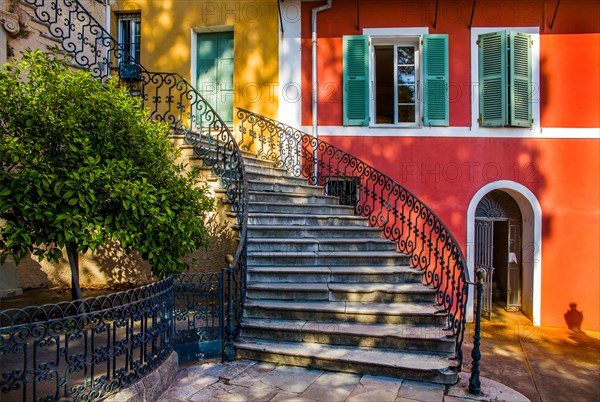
[(558, 160)]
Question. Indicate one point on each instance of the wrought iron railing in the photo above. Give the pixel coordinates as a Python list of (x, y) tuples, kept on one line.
[(171, 99), (198, 315), (416, 229), (85, 349)]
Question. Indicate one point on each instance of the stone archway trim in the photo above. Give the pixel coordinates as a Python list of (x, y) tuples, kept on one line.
[(530, 210)]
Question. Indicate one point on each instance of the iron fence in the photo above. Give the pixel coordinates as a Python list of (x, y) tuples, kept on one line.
[(85, 349), (198, 317)]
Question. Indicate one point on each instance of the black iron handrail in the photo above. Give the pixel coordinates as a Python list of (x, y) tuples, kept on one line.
[(85, 349), (171, 99), (405, 219)]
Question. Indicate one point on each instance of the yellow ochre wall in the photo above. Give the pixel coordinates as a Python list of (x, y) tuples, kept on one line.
[(166, 42)]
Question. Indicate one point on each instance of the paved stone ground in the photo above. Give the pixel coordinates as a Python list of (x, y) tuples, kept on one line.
[(544, 364), (539, 364), (246, 380)]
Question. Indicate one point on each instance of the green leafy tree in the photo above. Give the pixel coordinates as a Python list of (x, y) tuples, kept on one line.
[(81, 164)]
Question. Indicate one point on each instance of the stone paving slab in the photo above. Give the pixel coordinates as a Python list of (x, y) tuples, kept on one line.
[(291, 379), (490, 390), (251, 381), (421, 391)]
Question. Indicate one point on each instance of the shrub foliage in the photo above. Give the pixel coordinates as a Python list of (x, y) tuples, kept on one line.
[(81, 163)]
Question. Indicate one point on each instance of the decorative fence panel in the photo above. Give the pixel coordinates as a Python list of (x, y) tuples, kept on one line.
[(87, 349), (198, 316)]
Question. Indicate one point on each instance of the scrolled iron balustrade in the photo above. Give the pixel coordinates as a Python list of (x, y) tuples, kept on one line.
[(170, 98), (405, 219), (85, 349)]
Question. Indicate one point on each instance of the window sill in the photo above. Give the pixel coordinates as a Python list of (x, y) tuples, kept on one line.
[(394, 126)]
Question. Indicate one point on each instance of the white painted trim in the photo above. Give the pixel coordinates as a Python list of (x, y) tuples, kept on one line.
[(394, 33), (415, 31), (459, 132), (290, 60), (535, 131), (193, 51), (530, 210)]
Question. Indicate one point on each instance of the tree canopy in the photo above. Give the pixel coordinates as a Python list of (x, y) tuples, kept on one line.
[(81, 163)]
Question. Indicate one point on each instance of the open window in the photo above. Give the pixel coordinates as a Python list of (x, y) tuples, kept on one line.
[(505, 79), (405, 78)]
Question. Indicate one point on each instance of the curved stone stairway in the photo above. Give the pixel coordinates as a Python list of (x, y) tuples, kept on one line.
[(326, 291)]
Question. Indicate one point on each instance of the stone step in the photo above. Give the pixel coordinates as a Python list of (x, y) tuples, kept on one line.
[(269, 196), (306, 220), (418, 366), (279, 207), (278, 231), (387, 336), (315, 244), (326, 258), (256, 161), (352, 292), (260, 185), (204, 148), (266, 170), (353, 274), (382, 313), (282, 179)]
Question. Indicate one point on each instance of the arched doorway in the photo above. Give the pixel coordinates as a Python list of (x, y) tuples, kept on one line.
[(498, 250), (531, 245)]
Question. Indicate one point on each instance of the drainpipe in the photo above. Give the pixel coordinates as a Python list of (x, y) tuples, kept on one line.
[(107, 29), (315, 116)]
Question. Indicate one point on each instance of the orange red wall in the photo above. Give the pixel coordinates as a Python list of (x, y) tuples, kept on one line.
[(563, 173)]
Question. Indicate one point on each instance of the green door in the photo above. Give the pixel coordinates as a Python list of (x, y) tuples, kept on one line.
[(214, 69)]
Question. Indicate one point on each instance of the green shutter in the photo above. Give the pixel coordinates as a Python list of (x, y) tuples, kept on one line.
[(492, 80), (356, 80), (520, 80), (435, 91)]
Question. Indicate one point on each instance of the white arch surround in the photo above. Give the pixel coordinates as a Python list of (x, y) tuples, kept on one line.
[(531, 213)]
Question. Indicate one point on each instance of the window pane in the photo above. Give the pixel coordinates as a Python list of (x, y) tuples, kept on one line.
[(406, 75), (406, 94), (384, 84), (136, 41), (406, 114), (406, 55)]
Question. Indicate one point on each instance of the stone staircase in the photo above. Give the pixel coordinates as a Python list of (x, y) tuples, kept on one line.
[(326, 291)]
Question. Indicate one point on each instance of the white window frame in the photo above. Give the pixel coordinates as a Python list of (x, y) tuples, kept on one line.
[(396, 36)]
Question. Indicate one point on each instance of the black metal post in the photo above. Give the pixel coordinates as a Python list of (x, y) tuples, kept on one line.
[(474, 382), (229, 353)]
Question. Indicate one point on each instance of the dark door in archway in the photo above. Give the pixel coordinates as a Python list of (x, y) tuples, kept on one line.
[(498, 250)]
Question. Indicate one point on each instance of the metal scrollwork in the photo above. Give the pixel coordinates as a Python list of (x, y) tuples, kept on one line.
[(416, 229), (87, 348)]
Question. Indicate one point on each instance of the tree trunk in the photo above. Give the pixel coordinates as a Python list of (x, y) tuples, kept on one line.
[(74, 263)]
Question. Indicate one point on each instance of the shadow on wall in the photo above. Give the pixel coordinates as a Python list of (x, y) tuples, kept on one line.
[(107, 267), (110, 267), (574, 317), (223, 241)]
